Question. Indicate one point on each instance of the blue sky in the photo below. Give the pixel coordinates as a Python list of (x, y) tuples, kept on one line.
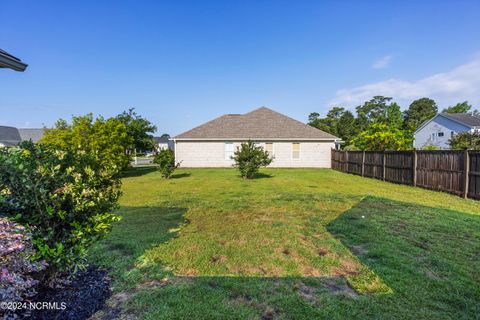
[(181, 63)]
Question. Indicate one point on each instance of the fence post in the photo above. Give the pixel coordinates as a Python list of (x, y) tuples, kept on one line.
[(466, 168), (383, 165), (346, 161), (363, 163), (414, 165)]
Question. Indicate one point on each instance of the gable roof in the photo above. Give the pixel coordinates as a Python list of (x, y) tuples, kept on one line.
[(162, 139), (261, 123), (466, 119)]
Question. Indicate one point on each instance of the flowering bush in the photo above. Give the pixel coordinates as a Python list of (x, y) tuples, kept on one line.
[(16, 266), (65, 198)]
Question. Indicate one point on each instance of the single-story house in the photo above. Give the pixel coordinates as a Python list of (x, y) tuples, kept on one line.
[(11, 136), (290, 142), (11, 62), (441, 128)]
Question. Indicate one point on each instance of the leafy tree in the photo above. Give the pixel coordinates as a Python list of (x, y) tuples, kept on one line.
[(393, 116), (465, 140), (461, 107), (374, 110), (166, 162), (339, 122), (66, 199), (380, 136), (249, 158), (107, 139), (139, 129), (418, 112)]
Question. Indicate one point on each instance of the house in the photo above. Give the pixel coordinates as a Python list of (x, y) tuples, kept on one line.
[(11, 62), (163, 142), (10, 136), (441, 128), (290, 142)]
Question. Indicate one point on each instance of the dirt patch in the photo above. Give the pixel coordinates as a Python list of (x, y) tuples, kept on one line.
[(152, 284), (269, 314), (347, 268), (218, 259), (339, 286), (286, 252), (322, 251)]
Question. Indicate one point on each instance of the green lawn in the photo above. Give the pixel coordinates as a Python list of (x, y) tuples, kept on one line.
[(292, 244)]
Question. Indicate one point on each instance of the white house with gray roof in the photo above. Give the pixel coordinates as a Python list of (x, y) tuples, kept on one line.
[(290, 142), (441, 128)]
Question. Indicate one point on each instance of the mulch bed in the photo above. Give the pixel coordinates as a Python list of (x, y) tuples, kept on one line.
[(83, 295)]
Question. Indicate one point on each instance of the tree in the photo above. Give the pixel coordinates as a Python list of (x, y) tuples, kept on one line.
[(418, 112), (339, 122), (249, 158), (461, 107), (465, 140), (374, 110), (107, 139), (379, 136), (139, 129), (166, 162)]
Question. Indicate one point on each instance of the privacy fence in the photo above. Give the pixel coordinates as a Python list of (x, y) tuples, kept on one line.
[(456, 172)]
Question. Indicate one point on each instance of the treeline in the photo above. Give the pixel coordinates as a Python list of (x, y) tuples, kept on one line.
[(379, 124)]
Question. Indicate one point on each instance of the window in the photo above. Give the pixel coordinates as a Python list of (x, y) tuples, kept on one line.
[(451, 134), (434, 136), (269, 148), (296, 150), (440, 134), (228, 150)]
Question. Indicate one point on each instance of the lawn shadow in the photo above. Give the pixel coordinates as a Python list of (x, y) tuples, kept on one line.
[(138, 171), (262, 175), (180, 175)]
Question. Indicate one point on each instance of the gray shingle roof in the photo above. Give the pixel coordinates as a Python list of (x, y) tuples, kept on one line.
[(9, 136), (9, 61), (31, 134), (261, 123), (464, 118)]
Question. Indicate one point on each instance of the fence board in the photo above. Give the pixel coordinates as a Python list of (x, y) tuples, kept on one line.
[(435, 170)]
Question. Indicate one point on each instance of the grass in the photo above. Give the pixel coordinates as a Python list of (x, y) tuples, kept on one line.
[(294, 243)]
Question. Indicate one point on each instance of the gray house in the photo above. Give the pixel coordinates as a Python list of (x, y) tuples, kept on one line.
[(441, 128), (10, 136), (290, 142)]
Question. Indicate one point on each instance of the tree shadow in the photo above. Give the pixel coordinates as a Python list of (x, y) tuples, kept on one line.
[(180, 175), (138, 171), (262, 175)]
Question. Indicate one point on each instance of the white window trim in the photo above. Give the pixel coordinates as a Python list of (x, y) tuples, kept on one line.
[(273, 149), (299, 151)]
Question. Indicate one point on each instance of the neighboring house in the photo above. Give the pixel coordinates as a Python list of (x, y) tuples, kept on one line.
[(290, 142), (441, 128), (11, 62), (10, 136), (163, 142)]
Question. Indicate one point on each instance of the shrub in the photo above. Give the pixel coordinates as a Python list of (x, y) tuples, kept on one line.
[(249, 158), (465, 140), (431, 147), (17, 268), (65, 198), (166, 162)]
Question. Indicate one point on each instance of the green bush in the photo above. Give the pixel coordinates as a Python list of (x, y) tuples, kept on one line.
[(65, 198), (465, 140), (249, 158), (166, 162)]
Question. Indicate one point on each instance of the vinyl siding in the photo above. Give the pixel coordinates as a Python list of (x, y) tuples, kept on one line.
[(315, 154), (423, 137)]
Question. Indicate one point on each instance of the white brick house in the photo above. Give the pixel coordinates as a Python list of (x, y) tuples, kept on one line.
[(291, 142)]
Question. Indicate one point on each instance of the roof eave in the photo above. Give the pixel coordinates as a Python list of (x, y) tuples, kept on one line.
[(256, 139), (11, 63)]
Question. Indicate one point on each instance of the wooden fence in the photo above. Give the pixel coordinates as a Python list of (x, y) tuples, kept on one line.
[(456, 172)]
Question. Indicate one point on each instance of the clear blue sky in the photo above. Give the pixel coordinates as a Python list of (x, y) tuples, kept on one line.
[(181, 63)]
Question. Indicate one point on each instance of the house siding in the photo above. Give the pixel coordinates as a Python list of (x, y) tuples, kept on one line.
[(423, 137), (314, 154)]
